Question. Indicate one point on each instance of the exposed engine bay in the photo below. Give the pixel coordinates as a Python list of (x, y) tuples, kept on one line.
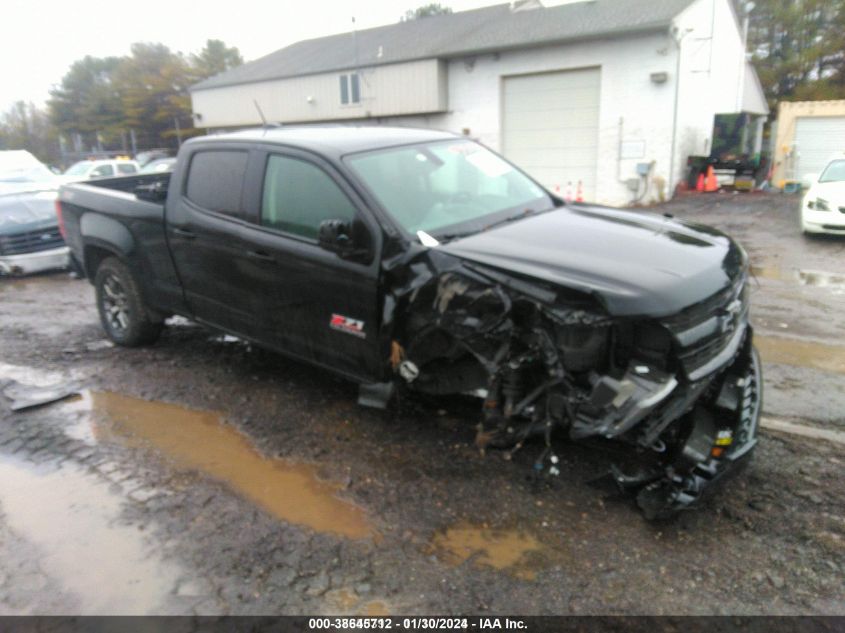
[(682, 392)]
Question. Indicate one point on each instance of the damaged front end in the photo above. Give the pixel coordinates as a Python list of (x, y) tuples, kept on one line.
[(682, 392)]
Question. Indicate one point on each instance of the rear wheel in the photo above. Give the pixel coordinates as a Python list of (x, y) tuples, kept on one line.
[(125, 318)]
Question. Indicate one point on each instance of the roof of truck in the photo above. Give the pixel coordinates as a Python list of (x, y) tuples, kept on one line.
[(333, 140)]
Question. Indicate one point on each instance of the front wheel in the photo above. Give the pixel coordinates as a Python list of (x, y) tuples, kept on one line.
[(124, 315)]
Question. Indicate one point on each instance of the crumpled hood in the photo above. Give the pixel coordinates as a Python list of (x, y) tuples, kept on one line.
[(636, 263)]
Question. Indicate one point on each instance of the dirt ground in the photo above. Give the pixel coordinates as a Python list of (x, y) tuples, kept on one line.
[(204, 476)]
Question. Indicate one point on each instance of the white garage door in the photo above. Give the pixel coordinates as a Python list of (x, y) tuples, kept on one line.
[(817, 139), (550, 127)]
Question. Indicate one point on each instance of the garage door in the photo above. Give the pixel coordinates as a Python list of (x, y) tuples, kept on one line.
[(817, 139), (550, 127)]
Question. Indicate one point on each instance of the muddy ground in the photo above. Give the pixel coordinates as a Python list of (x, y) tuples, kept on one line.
[(204, 476)]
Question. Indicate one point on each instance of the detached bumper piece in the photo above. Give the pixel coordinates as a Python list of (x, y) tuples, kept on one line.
[(717, 434)]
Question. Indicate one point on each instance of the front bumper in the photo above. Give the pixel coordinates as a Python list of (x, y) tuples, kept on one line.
[(722, 434), (814, 221), (35, 262)]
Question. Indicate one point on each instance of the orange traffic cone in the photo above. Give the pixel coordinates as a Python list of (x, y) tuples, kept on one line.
[(699, 184), (568, 197), (711, 184)]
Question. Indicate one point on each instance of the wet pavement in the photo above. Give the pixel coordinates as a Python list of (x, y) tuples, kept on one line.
[(202, 475)]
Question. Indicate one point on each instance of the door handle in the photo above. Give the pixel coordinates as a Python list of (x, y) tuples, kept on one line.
[(188, 235), (261, 256)]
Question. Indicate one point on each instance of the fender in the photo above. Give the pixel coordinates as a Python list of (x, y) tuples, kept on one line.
[(98, 230)]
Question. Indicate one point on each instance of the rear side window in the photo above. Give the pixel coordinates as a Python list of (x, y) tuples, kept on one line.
[(298, 196), (102, 171), (126, 168), (216, 180)]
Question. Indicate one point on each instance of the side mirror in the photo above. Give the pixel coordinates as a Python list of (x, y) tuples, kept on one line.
[(348, 240), (153, 192), (809, 180)]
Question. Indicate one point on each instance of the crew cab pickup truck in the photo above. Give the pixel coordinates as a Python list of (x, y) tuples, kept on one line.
[(422, 261)]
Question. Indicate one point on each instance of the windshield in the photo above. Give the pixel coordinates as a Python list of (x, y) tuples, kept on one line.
[(79, 169), (440, 187), (835, 172)]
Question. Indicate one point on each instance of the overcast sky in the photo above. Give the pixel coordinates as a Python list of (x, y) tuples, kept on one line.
[(40, 39)]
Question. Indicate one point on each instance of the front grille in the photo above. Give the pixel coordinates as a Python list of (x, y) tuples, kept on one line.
[(31, 241), (704, 330)]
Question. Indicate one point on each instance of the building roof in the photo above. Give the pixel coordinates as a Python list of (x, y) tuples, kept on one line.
[(488, 29), (332, 139)]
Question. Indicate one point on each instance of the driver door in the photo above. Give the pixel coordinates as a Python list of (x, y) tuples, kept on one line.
[(306, 300)]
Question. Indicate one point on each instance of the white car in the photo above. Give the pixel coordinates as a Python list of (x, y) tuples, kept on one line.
[(91, 169), (823, 208)]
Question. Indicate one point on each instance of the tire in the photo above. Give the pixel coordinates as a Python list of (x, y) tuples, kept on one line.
[(123, 313)]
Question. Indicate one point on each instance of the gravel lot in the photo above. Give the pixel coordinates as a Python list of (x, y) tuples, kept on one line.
[(204, 476)]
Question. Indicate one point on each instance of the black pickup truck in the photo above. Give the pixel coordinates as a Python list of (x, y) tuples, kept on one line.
[(422, 261)]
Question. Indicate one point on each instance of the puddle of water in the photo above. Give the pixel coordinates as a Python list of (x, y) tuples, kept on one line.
[(803, 430), (346, 601), (510, 550), (788, 351), (375, 609), (199, 440), (74, 522), (816, 278)]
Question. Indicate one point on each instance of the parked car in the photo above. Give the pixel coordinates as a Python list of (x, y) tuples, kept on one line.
[(29, 229), (92, 169), (147, 156), (823, 207), (422, 261), (158, 166)]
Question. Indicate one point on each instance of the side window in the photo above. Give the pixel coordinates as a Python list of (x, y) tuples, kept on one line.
[(102, 171), (350, 89), (298, 196), (216, 180), (126, 168)]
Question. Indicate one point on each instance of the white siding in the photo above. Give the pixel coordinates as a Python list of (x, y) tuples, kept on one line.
[(632, 108), (395, 89), (635, 114), (715, 77)]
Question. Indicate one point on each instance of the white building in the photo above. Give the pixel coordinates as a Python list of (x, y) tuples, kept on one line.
[(592, 91)]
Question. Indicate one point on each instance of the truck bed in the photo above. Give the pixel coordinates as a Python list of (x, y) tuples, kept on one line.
[(105, 217)]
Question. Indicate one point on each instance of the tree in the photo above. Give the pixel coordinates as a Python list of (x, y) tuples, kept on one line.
[(797, 48), (214, 59), (153, 84), (101, 102), (24, 126), (425, 11), (87, 101)]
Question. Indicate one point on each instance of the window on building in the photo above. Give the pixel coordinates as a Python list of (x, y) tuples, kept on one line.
[(298, 196), (350, 89), (215, 180)]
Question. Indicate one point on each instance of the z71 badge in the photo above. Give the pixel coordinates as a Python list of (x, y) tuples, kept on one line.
[(350, 326)]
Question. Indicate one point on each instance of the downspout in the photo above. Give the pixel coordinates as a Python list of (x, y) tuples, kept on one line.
[(678, 38)]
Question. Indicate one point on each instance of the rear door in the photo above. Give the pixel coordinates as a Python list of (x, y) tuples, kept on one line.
[(306, 300), (205, 221)]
